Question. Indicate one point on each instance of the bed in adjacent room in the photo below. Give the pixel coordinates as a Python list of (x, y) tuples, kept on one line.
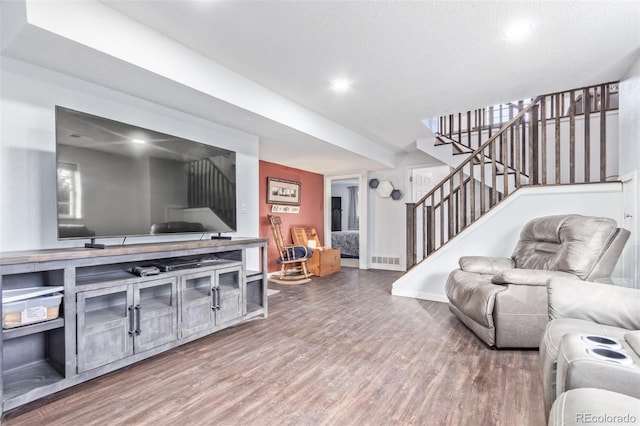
[(348, 242)]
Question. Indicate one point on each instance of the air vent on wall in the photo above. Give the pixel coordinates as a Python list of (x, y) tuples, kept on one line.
[(385, 260)]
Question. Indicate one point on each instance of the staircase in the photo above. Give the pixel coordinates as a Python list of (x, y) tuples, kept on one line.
[(209, 187), (554, 139)]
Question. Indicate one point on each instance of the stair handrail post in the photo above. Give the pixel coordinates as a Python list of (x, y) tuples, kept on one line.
[(411, 235)]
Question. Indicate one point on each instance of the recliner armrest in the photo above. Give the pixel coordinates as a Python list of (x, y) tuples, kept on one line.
[(601, 303), (485, 265), (529, 276)]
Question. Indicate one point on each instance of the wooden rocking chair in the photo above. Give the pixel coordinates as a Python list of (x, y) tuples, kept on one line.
[(293, 258)]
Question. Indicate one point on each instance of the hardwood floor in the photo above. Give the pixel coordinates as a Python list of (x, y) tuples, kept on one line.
[(339, 350)]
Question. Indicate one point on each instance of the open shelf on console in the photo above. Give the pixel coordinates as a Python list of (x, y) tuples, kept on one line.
[(29, 377), (33, 360), (33, 279), (24, 330), (103, 276), (254, 296)]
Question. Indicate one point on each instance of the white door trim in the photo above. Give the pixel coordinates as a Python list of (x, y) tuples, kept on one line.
[(629, 220), (363, 202)]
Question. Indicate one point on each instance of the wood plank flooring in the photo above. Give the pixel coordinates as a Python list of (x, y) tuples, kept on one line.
[(339, 350)]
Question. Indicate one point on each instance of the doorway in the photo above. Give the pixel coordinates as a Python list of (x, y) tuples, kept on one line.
[(345, 218)]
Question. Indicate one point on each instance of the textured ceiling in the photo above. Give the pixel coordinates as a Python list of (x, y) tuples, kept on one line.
[(408, 60)]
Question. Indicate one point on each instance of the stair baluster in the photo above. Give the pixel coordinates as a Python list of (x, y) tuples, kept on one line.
[(518, 151)]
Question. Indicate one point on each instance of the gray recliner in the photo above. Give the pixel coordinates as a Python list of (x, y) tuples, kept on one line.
[(578, 309), (504, 300)]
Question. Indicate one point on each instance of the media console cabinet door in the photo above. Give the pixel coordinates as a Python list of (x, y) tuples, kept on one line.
[(156, 313), (229, 287), (197, 311), (230, 306), (105, 334)]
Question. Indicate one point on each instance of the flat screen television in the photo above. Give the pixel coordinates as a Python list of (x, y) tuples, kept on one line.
[(117, 180)]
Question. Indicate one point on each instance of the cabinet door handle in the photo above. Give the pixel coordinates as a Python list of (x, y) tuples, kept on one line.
[(216, 299), (131, 326), (138, 315), (213, 299)]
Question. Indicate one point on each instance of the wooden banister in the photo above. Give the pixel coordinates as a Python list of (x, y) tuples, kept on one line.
[(519, 153)]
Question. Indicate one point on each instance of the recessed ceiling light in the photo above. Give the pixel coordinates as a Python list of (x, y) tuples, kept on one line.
[(340, 85), (517, 30), (139, 141)]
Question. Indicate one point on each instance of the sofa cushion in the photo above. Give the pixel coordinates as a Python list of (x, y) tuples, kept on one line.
[(584, 239), (539, 242), (485, 264), (528, 276), (568, 243), (600, 303)]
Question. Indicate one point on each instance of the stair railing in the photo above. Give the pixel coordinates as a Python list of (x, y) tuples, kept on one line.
[(208, 186), (537, 146), (474, 127)]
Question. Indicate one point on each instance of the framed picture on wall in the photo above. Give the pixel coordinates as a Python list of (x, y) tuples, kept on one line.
[(281, 191)]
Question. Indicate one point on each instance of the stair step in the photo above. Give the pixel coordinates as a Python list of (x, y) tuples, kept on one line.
[(443, 140), (461, 149)]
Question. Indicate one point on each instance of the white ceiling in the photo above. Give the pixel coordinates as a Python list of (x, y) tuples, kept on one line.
[(408, 61)]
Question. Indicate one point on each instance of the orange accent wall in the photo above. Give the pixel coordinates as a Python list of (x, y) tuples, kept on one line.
[(311, 205)]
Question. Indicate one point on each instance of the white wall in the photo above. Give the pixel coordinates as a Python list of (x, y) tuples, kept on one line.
[(27, 149), (497, 233), (387, 217), (630, 150), (630, 119)]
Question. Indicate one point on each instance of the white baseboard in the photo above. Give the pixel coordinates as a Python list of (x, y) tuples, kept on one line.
[(386, 267), (420, 295)]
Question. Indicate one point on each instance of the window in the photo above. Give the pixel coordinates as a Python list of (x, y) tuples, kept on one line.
[(69, 191)]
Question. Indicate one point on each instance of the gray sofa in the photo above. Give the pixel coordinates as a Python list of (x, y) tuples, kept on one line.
[(594, 406), (580, 309), (504, 300)]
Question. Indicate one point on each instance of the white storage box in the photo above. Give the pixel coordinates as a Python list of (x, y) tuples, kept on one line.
[(30, 305)]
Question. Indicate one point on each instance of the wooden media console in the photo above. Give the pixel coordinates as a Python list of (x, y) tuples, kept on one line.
[(110, 318)]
